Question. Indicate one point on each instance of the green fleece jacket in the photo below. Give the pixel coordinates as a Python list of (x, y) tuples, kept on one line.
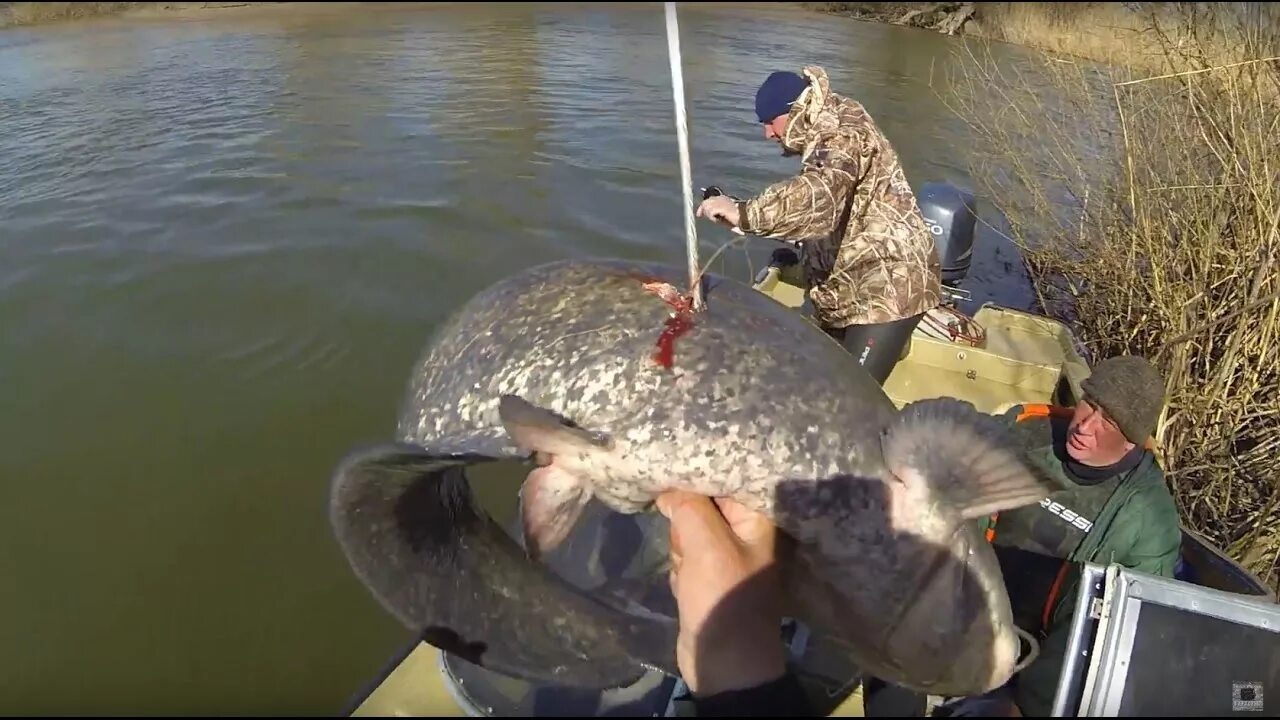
[(1136, 526)]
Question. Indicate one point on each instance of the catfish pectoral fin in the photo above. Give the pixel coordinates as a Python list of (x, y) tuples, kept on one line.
[(551, 501), (412, 533)]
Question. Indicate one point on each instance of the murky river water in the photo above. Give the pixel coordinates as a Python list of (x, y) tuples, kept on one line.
[(222, 243)]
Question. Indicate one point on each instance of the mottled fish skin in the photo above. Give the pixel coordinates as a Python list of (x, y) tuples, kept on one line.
[(751, 396), (759, 405)]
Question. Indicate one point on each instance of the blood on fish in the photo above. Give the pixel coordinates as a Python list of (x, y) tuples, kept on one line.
[(674, 327), (677, 325)]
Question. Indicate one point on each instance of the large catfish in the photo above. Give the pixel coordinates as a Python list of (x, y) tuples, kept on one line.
[(600, 372)]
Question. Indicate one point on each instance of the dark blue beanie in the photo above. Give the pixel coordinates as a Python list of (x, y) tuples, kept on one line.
[(776, 94)]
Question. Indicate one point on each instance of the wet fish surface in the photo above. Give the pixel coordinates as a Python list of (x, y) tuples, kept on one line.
[(600, 372)]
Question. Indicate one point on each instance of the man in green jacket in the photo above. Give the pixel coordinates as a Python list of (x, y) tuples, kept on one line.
[(1113, 507)]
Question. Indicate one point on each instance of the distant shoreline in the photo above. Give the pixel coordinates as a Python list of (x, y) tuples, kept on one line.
[(36, 14), (1118, 34), (1102, 32)]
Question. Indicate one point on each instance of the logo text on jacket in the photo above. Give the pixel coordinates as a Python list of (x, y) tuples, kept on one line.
[(1067, 514)]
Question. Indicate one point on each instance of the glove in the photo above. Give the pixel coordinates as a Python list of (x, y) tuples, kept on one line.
[(719, 208)]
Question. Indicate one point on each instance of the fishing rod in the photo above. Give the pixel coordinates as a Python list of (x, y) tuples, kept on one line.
[(686, 173)]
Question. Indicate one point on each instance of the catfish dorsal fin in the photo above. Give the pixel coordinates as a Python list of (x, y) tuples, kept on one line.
[(537, 429), (967, 459)]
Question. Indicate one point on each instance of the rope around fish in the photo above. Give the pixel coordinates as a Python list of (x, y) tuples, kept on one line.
[(686, 173)]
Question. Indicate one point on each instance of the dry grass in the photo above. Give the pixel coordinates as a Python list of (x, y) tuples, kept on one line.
[(1148, 210), (1105, 32), (1146, 37), (1119, 34)]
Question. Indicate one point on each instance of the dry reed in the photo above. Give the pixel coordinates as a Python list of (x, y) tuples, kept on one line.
[(1101, 31), (1107, 32), (1148, 212)]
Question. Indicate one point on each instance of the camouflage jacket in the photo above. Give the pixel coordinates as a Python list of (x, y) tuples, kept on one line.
[(1135, 524), (869, 256)]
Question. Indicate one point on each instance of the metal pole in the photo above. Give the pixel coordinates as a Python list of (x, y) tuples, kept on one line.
[(686, 173)]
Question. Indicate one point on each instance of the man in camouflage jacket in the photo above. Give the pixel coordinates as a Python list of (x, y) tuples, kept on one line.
[(870, 259)]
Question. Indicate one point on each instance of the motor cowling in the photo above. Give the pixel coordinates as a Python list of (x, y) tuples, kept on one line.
[(949, 213)]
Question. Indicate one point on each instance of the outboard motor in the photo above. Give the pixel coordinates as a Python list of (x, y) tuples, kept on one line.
[(949, 214)]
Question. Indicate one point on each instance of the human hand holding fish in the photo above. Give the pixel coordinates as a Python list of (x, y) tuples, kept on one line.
[(726, 584)]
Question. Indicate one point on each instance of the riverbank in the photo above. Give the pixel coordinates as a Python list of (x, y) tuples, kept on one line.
[(27, 14), (1130, 35)]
